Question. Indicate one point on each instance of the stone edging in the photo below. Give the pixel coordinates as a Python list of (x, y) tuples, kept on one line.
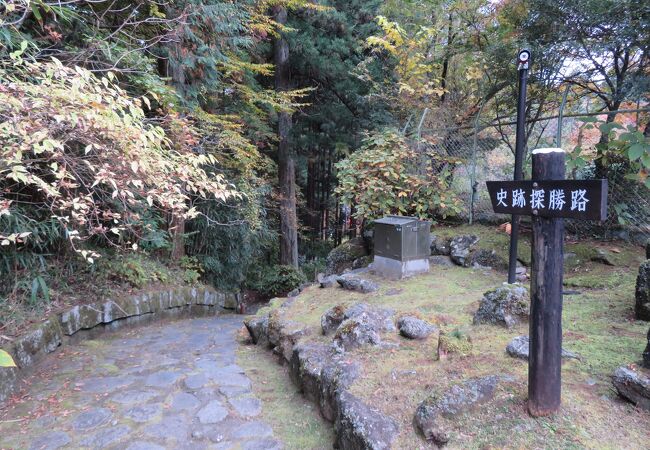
[(46, 337), (324, 377)]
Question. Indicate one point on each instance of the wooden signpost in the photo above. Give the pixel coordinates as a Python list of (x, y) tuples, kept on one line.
[(548, 198)]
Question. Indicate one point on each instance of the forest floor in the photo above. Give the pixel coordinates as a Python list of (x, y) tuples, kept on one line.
[(598, 325)]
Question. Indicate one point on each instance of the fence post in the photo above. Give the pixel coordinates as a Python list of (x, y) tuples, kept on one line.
[(472, 178), (558, 136)]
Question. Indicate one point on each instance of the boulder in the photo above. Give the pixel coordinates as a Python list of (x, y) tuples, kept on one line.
[(336, 375), (327, 281), (642, 293), (362, 326), (519, 347), (507, 306), (433, 413), (305, 368), (487, 258), (439, 246), (353, 283), (646, 354), (361, 427), (362, 262), (603, 257), (43, 338), (332, 318), (413, 328), (460, 248), (258, 328), (633, 386), (440, 260), (343, 256)]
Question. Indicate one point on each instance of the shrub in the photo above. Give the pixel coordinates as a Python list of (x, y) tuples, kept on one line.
[(277, 281)]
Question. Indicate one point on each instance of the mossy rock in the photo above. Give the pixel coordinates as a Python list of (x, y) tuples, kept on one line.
[(343, 256), (454, 343)]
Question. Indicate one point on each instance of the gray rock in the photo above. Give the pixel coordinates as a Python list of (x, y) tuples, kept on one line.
[(519, 347), (487, 258), (327, 281), (361, 427), (460, 248), (143, 413), (343, 256), (162, 379), (633, 386), (332, 318), (50, 441), (441, 260), (233, 391), (196, 381), (362, 326), (305, 368), (106, 437), (263, 444), (250, 430), (603, 257), (646, 353), (361, 263), (170, 427), (414, 328), (352, 283), (184, 401), (91, 418), (213, 412), (142, 445), (507, 306), (258, 328), (246, 406), (432, 413), (129, 397), (337, 375), (642, 293), (439, 246)]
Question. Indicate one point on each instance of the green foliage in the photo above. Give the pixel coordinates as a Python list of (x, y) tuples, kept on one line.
[(276, 281), (192, 269), (135, 270), (312, 268), (386, 176)]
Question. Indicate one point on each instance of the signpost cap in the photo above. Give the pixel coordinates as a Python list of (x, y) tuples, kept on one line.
[(539, 151)]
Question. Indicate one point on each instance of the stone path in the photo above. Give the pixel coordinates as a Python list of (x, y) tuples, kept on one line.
[(170, 385)]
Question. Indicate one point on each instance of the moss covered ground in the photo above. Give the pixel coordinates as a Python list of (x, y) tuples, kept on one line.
[(598, 324)]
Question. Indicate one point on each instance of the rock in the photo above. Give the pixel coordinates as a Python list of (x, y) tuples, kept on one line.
[(453, 343), (360, 427), (327, 282), (440, 260), (439, 246), (357, 284), (432, 413), (332, 318), (246, 406), (336, 376), (642, 293), (44, 338), (460, 248), (343, 256), (362, 262), (104, 438), (507, 306), (634, 386), (519, 347), (91, 419), (212, 413), (258, 328), (413, 328), (305, 368), (143, 413), (50, 441), (647, 249), (603, 257), (646, 353), (487, 258), (362, 326)]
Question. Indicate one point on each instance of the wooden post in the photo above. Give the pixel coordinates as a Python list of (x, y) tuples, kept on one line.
[(544, 364)]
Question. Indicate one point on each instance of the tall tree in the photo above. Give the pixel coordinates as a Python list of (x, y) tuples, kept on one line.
[(286, 162)]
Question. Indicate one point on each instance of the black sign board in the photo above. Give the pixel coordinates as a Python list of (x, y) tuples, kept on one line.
[(574, 199)]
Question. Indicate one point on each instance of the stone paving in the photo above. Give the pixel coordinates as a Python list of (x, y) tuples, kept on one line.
[(171, 385)]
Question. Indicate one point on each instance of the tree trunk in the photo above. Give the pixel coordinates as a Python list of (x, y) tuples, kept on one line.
[(600, 170), (177, 230), (286, 164)]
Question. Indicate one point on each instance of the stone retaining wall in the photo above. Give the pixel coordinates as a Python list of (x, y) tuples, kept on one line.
[(324, 377), (59, 330)]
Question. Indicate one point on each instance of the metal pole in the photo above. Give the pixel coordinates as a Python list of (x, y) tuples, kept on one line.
[(524, 59)]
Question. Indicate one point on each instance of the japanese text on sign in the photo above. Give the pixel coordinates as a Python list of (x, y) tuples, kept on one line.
[(579, 199)]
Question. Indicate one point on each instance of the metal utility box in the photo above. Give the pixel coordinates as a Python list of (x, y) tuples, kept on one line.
[(402, 238)]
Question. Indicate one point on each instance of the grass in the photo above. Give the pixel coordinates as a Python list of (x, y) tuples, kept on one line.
[(598, 324), (295, 420)]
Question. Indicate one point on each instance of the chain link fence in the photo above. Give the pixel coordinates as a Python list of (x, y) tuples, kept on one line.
[(487, 153)]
